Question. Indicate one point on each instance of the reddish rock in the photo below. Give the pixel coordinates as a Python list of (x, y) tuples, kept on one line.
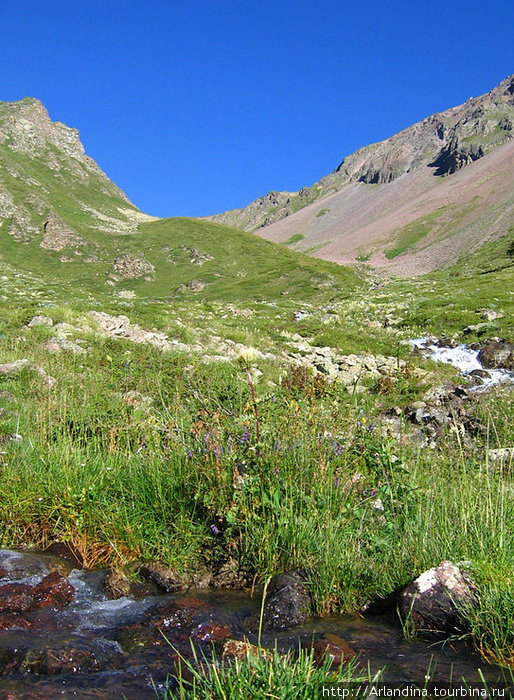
[(211, 632), (337, 649), (8, 620), (180, 613), (15, 597), (3, 573), (53, 590)]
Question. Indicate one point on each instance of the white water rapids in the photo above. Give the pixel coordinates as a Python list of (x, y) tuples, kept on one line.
[(465, 359)]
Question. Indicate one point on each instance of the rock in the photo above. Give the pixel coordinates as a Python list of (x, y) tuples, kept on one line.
[(478, 328), (69, 660), (229, 575), (502, 455), (237, 649), (337, 649), (433, 603), (54, 590), (211, 632), (10, 369), (165, 578), (489, 314), (131, 267), (59, 344), (497, 355), (16, 597), (118, 585), (66, 551), (180, 613), (57, 235), (288, 601), (480, 373), (8, 620), (40, 321)]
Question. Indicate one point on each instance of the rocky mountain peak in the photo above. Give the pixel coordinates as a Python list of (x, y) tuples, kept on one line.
[(26, 127)]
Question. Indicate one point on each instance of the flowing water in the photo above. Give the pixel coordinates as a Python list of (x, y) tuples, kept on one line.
[(465, 359), (101, 648)]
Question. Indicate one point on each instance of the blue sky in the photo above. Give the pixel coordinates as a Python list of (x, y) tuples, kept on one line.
[(197, 107)]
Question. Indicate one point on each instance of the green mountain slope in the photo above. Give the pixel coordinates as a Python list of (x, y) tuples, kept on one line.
[(62, 218)]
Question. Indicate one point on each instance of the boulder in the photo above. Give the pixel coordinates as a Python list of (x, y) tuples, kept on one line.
[(288, 601), (497, 355), (40, 321), (434, 602)]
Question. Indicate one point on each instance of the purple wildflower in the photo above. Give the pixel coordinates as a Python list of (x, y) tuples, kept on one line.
[(336, 481), (338, 450), (214, 530), (245, 436), (275, 471), (189, 453)]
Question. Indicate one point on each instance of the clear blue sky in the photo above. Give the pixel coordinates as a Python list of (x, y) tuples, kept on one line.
[(197, 107)]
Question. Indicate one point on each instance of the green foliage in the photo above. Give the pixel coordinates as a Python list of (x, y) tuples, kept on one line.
[(259, 676)]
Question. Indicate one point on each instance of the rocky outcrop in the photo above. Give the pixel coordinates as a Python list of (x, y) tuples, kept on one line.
[(57, 235), (131, 267), (350, 370), (436, 600)]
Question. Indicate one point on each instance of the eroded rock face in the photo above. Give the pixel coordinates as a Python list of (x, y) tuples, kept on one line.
[(497, 355), (435, 600), (57, 235), (288, 601)]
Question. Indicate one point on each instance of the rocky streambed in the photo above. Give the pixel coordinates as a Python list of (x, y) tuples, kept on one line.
[(61, 636)]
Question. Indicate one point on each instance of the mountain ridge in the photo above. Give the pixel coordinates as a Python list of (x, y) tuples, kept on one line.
[(445, 141)]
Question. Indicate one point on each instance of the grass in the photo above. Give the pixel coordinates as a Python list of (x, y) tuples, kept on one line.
[(259, 676), (130, 480), (409, 235), (295, 238)]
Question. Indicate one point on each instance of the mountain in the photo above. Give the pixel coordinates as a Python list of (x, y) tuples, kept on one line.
[(410, 203), (64, 220)]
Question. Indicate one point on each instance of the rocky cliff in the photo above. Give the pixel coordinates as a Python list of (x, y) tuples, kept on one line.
[(445, 141)]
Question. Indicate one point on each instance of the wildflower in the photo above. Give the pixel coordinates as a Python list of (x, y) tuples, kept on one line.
[(245, 436), (214, 530), (189, 453), (275, 471), (338, 450), (336, 481)]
